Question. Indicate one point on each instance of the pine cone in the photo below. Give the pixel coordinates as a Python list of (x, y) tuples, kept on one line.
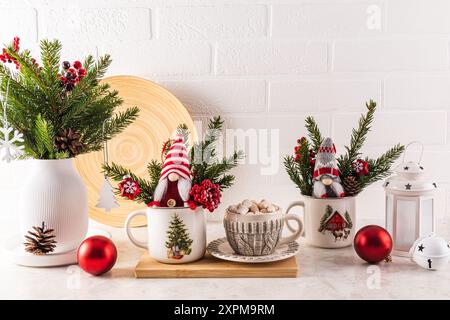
[(351, 185), (68, 140), (40, 241)]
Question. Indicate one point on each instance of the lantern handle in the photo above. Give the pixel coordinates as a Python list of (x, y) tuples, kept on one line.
[(421, 150)]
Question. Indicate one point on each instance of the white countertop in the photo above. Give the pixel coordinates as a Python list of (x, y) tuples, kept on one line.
[(323, 274)]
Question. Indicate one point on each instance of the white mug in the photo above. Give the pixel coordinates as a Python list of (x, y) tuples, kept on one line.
[(175, 235), (329, 222)]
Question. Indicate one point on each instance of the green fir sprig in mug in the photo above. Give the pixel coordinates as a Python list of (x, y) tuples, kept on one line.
[(354, 171), (59, 107), (185, 176)]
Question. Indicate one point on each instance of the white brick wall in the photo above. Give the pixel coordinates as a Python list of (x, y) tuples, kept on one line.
[(267, 64)]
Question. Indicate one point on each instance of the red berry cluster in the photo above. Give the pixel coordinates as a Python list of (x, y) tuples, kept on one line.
[(205, 194), (72, 74), (6, 57), (298, 155)]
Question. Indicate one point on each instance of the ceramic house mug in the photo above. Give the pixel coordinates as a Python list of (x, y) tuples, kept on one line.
[(175, 235), (259, 234), (329, 223)]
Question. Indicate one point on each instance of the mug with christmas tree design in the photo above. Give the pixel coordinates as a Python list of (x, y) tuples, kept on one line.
[(175, 235), (328, 222)]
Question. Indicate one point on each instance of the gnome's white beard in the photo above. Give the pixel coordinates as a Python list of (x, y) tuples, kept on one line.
[(184, 187)]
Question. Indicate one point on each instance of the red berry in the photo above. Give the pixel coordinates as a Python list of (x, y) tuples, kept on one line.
[(16, 42), (77, 65), (81, 72)]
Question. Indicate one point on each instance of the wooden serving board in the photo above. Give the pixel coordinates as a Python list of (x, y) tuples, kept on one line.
[(210, 267)]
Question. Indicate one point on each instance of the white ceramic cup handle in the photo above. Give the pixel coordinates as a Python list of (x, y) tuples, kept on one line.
[(130, 235), (297, 233), (292, 205)]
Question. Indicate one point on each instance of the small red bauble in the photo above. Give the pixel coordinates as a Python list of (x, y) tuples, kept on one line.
[(373, 243), (97, 255), (361, 167)]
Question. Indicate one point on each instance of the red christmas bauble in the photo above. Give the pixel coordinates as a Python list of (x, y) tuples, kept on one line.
[(373, 243), (97, 255)]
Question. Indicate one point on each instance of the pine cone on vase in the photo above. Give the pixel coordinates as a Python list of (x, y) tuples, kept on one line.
[(40, 240), (351, 186), (69, 141)]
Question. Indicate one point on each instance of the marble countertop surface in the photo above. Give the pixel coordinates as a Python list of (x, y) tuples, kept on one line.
[(323, 274)]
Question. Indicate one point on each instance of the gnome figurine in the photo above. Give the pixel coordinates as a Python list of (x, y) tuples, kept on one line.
[(326, 181), (175, 179)]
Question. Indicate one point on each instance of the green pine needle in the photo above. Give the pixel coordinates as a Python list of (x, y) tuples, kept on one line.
[(313, 133)]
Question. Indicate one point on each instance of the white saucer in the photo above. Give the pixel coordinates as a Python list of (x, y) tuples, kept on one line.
[(13, 247), (220, 248)]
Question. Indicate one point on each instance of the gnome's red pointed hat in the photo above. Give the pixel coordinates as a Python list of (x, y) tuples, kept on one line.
[(326, 160), (177, 160)]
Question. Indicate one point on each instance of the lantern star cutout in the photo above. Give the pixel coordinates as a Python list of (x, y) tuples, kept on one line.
[(434, 184), (408, 186), (420, 248), (406, 168)]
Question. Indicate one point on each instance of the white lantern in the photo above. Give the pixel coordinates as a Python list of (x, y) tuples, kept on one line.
[(410, 202)]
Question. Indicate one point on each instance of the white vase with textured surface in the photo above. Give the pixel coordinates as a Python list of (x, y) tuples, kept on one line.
[(55, 194)]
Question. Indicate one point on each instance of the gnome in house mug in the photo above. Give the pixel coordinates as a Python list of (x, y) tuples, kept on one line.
[(328, 214), (329, 186)]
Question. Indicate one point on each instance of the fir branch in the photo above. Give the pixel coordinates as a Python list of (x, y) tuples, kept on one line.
[(50, 53), (204, 162), (204, 152), (217, 172), (44, 136), (226, 181), (120, 121), (357, 140), (380, 167), (359, 135), (294, 173), (300, 171), (117, 172), (154, 169), (313, 133)]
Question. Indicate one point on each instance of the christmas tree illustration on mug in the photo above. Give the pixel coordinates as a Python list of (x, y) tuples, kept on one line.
[(178, 242)]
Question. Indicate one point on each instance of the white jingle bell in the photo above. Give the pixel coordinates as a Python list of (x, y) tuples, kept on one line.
[(430, 252)]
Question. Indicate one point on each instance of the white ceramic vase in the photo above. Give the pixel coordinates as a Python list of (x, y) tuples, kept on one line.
[(54, 194)]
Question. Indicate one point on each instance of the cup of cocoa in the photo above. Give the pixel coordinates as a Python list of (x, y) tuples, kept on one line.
[(255, 228)]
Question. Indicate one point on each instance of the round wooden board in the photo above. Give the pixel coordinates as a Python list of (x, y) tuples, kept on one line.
[(161, 113)]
